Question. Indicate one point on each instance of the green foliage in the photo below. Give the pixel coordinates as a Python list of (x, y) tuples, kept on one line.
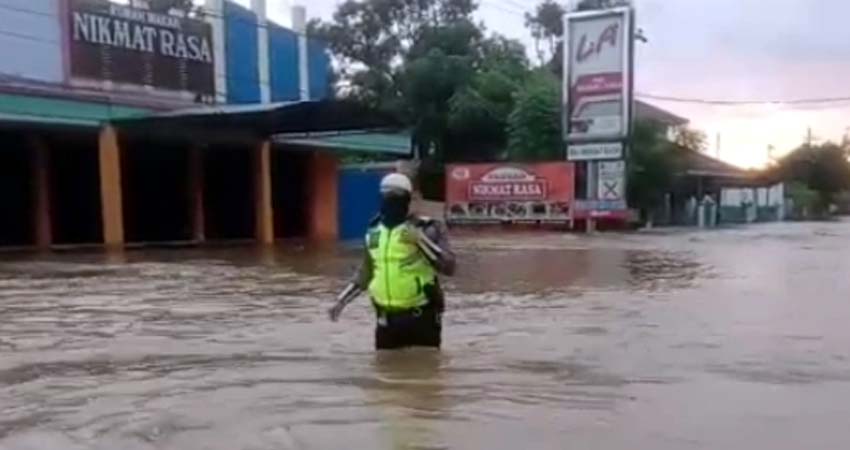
[(822, 168), (547, 27), (651, 166), (691, 139), (430, 83), (478, 112), (805, 201), (430, 63), (534, 131), (374, 39)]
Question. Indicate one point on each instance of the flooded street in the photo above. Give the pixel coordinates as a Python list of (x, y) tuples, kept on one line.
[(733, 339)]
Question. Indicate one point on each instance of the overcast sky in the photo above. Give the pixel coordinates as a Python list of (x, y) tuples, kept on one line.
[(726, 50)]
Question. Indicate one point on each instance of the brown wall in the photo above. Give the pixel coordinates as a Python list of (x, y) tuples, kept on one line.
[(323, 197)]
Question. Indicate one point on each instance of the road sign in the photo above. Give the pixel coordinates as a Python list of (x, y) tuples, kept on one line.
[(595, 151), (611, 180)]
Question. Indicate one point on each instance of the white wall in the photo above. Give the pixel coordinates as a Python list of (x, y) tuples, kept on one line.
[(30, 39), (763, 196), (736, 196)]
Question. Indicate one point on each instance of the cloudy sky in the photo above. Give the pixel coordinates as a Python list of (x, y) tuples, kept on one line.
[(738, 50)]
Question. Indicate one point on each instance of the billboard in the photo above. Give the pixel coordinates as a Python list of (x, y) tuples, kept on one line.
[(482, 193), (109, 42), (597, 91)]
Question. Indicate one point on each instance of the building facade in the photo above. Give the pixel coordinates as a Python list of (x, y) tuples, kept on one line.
[(76, 169)]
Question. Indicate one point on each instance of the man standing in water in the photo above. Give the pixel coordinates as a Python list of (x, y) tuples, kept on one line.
[(404, 255)]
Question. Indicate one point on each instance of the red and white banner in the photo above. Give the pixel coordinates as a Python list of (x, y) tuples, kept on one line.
[(509, 192)]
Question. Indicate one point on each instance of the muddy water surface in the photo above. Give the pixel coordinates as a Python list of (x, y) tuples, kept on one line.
[(736, 339)]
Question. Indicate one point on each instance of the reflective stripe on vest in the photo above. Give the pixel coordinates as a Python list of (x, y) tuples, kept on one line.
[(399, 270)]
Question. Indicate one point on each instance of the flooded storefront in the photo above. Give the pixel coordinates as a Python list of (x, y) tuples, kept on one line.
[(732, 339)]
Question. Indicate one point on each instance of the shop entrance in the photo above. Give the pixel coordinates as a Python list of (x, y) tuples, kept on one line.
[(16, 191), (156, 194), (228, 193), (290, 193), (75, 188)]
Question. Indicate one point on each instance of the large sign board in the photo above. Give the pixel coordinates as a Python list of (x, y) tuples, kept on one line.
[(597, 76), (482, 193), (597, 109), (116, 43)]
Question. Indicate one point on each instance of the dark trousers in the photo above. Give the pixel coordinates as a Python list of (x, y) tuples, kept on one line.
[(420, 328)]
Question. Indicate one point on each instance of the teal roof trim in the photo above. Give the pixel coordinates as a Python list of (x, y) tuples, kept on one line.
[(31, 109)]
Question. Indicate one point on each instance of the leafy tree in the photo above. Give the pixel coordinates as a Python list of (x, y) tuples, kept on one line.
[(823, 168), (805, 200), (534, 125), (478, 112), (690, 138), (430, 63), (430, 83), (652, 164), (373, 39), (547, 26)]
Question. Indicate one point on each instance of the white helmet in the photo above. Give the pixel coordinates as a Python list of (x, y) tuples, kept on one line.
[(396, 182)]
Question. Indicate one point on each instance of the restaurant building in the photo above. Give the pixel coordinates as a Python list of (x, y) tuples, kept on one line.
[(127, 125)]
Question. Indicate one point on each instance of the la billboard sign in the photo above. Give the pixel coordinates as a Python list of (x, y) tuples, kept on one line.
[(598, 81)]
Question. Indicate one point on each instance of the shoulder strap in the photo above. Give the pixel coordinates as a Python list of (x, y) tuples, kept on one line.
[(373, 234)]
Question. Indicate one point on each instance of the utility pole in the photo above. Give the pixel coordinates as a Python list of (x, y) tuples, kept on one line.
[(717, 150), (809, 137)]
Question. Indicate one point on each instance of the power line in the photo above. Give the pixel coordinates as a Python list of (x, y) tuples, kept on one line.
[(504, 7), (28, 38), (516, 4), (28, 11), (719, 102)]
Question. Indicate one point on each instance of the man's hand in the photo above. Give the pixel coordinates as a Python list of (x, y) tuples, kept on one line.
[(431, 250), (342, 300), (336, 310)]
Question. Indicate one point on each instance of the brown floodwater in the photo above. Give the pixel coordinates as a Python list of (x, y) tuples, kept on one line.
[(731, 339)]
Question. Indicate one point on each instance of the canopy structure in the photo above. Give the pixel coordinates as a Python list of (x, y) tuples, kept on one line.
[(335, 124), (397, 144), (696, 164)]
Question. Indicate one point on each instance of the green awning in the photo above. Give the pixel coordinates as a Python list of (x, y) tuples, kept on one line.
[(30, 109), (353, 141)]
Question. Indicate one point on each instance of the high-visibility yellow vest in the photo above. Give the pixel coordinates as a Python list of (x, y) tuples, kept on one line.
[(400, 271)]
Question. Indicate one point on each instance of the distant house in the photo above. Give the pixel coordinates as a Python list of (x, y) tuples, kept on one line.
[(646, 111), (708, 191)]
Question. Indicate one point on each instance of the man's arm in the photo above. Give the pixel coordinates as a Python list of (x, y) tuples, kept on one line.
[(434, 242), (364, 273), (359, 283)]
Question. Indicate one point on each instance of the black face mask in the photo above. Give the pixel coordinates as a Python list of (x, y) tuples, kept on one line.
[(395, 208)]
